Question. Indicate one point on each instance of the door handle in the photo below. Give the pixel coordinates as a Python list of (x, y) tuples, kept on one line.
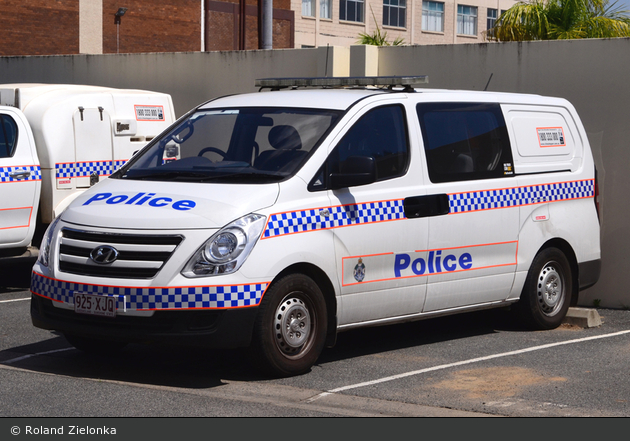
[(425, 206), (20, 174)]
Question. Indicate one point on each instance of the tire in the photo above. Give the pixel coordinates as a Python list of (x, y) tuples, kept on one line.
[(547, 292), (290, 328), (95, 346)]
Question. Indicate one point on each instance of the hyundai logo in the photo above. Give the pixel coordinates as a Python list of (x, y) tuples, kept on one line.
[(104, 254)]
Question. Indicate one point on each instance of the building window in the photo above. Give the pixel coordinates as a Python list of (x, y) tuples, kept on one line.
[(432, 16), (466, 20), (394, 12), (493, 14), (308, 8), (491, 20), (325, 9), (351, 10)]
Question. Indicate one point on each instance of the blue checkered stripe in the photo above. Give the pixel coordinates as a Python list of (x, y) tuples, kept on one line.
[(514, 197), (302, 221), (195, 297), (81, 169), (5, 173)]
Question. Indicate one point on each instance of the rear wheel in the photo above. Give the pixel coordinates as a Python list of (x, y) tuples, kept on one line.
[(547, 292), (290, 329)]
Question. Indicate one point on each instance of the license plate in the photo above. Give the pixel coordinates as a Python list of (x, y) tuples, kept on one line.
[(94, 305)]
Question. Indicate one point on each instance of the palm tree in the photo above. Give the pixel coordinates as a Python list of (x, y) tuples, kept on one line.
[(561, 20)]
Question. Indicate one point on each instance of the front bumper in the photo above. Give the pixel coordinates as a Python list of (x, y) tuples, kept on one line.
[(224, 328), (209, 316)]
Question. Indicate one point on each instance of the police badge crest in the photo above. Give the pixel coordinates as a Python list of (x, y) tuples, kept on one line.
[(359, 271)]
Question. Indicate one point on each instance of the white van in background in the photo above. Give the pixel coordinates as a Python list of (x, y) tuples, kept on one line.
[(277, 219), (58, 140)]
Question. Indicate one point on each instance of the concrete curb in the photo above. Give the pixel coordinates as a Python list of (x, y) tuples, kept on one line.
[(583, 317)]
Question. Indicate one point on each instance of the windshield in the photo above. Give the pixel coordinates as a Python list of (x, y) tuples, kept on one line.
[(233, 146)]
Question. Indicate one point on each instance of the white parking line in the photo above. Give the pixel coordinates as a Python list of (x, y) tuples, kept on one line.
[(14, 300), (460, 363), (24, 357)]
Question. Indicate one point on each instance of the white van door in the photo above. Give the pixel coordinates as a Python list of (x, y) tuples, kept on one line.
[(375, 241), (20, 181), (473, 249)]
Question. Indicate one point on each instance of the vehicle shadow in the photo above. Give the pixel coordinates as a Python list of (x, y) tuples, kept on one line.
[(15, 276), (144, 364), (196, 368), (368, 341)]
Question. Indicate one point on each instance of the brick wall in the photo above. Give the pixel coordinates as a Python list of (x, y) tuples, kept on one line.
[(223, 25), (39, 27), (153, 26), (51, 27)]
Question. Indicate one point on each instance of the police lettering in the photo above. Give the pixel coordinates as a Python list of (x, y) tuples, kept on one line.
[(142, 199), (433, 264)]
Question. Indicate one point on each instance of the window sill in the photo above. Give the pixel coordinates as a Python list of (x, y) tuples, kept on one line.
[(309, 17), (433, 32), (395, 28), (354, 23)]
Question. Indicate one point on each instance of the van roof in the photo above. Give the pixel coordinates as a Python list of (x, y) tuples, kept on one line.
[(342, 99), (21, 94)]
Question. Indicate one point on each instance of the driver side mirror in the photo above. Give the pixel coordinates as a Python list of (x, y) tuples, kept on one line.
[(354, 171)]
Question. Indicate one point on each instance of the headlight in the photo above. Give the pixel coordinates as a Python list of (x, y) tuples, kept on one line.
[(44, 249), (226, 251)]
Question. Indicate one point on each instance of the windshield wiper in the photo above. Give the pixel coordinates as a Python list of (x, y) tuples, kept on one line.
[(245, 176), (168, 175)]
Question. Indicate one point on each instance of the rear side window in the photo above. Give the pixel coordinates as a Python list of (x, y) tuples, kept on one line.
[(465, 141), (8, 136)]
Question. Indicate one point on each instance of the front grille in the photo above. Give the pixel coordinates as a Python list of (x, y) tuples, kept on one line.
[(140, 256)]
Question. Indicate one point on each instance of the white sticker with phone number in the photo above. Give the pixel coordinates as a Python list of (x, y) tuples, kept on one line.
[(551, 137), (149, 113)]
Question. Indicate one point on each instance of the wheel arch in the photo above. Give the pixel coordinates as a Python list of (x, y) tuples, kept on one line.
[(328, 290), (568, 251)]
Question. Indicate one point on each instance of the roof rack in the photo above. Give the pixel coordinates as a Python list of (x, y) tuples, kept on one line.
[(338, 82)]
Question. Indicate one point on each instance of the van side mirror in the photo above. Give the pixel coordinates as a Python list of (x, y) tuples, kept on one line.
[(354, 171)]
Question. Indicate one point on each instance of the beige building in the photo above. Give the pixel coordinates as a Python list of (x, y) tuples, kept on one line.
[(339, 22)]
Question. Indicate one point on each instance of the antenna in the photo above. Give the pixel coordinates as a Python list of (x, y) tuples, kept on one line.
[(486, 88)]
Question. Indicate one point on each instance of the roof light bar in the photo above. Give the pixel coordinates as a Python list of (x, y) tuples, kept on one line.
[(394, 81)]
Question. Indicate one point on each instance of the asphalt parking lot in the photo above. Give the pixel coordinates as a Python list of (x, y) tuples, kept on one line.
[(471, 365)]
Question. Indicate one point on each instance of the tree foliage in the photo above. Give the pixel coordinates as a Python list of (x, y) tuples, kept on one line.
[(561, 20)]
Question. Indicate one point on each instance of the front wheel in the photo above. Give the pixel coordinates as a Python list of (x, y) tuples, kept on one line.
[(291, 325), (547, 292)]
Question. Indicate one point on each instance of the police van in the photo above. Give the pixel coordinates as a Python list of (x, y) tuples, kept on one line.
[(275, 220)]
